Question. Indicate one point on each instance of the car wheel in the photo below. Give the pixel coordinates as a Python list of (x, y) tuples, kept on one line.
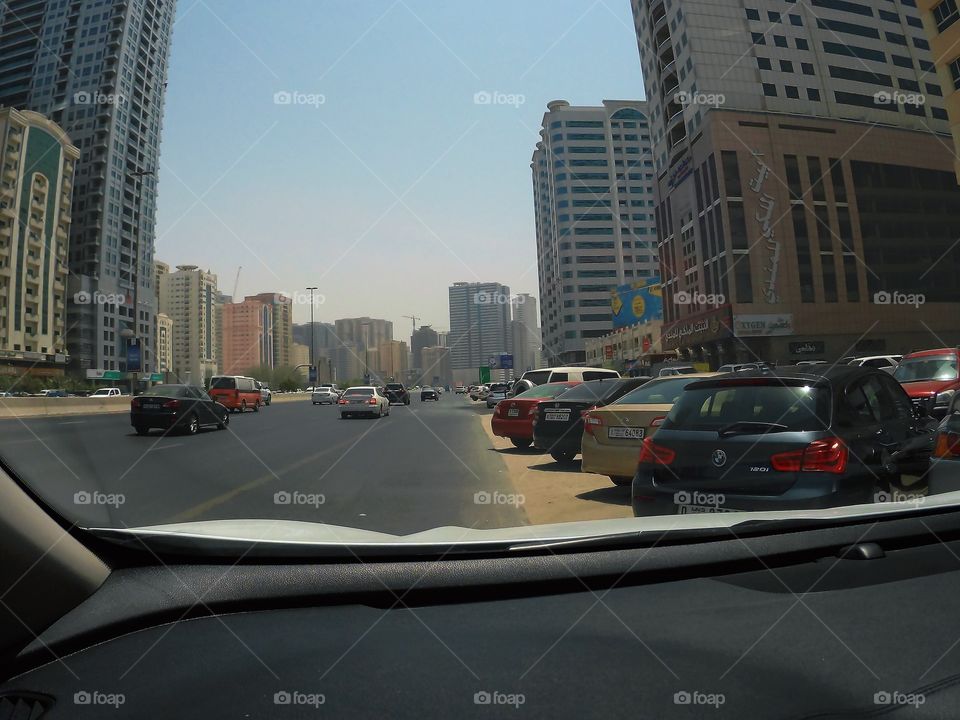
[(343, 416), (141, 430), (256, 407), (521, 443), (380, 411), (224, 421), (621, 481), (243, 406), (407, 402), (193, 425), (563, 456)]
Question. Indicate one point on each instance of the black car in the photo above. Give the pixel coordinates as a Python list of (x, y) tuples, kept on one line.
[(801, 437), (559, 424), (428, 393), (177, 407), (397, 394)]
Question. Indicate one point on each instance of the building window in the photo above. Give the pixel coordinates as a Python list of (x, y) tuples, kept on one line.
[(945, 14), (769, 89)]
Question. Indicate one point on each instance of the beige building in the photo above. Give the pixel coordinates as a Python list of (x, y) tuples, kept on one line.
[(393, 358), (189, 297), (436, 366), (941, 19), (282, 307), (300, 355), (37, 165), (164, 343)]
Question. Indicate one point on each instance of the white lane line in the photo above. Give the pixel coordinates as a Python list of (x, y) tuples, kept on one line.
[(73, 422), (165, 447)]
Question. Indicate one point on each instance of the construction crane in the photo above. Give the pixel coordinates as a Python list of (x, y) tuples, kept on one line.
[(414, 318), (236, 283)]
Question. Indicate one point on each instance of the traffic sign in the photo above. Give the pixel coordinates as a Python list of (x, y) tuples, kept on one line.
[(484, 375), (313, 374), (506, 362), (112, 375)]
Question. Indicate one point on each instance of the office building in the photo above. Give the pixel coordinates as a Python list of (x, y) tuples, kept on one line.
[(364, 330), (479, 324), (594, 209), (805, 204), (282, 308), (526, 333), (248, 335), (393, 360), (436, 370), (99, 70), (422, 337), (189, 297), (164, 343), (941, 19), (37, 163)]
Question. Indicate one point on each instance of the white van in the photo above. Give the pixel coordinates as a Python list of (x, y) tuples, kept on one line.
[(568, 374)]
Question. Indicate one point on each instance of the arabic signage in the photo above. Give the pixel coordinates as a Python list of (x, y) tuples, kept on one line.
[(608, 352), (696, 329), (680, 173), (763, 325), (810, 347), (638, 302), (763, 216)]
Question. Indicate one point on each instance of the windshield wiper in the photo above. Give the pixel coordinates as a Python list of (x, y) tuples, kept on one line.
[(750, 428)]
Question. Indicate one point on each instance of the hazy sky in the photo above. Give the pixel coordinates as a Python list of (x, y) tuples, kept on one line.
[(382, 181)]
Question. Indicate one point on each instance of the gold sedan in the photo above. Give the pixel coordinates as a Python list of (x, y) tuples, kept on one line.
[(613, 435)]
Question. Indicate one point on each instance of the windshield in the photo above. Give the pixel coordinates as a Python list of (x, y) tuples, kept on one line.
[(929, 367), (272, 202)]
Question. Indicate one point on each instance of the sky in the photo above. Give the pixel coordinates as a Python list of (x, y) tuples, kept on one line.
[(340, 144)]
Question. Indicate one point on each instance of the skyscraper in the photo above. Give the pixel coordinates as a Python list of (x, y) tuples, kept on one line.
[(594, 207), (248, 336), (424, 336), (99, 70), (282, 309), (802, 182), (189, 297), (526, 333), (479, 324)]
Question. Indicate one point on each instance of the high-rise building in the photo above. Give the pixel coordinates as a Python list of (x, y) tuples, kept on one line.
[(392, 360), (526, 333), (301, 356), (369, 332), (36, 178), (282, 308), (479, 324), (436, 366), (804, 198), (189, 297), (164, 343), (443, 338), (248, 336), (424, 336), (593, 195), (323, 335), (99, 70), (941, 18)]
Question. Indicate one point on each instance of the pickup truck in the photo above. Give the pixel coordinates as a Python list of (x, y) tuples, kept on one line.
[(107, 392)]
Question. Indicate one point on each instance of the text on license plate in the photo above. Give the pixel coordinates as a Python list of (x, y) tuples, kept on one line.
[(625, 433), (513, 412), (559, 415), (696, 509)]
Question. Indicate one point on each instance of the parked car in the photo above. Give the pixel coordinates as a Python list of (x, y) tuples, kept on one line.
[(363, 400), (944, 475), (461, 389), (176, 407), (107, 392), (324, 396), (266, 396), (54, 393), (743, 367), (930, 378), (513, 418), (883, 362), (675, 370), (477, 391), (236, 393), (565, 374), (428, 393), (558, 428), (613, 435), (397, 393), (496, 393), (802, 437)]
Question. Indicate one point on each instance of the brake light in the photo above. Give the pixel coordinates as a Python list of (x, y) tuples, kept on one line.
[(948, 445), (827, 455), (658, 421), (653, 454), (341, 402), (372, 401), (533, 409), (584, 413), (171, 405), (590, 422)]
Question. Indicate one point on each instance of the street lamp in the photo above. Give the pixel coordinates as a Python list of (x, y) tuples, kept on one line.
[(366, 352), (313, 339), (134, 338)]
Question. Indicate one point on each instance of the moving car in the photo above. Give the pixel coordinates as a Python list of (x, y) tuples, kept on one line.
[(513, 418), (461, 389), (497, 392), (324, 396), (265, 394), (397, 393), (428, 393), (477, 392), (613, 435), (364, 400), (177, 407), (930, 378), (107, 392), (883, 362), (802, 437), (558, 428), (236, 392), (564, 374)]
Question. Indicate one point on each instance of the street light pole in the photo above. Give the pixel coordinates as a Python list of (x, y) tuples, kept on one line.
[(135, 339), (313, 338)]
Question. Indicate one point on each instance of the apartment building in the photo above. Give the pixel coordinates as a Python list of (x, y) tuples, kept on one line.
[(189, 297), (479, 324), (247, 334), (941, 19)]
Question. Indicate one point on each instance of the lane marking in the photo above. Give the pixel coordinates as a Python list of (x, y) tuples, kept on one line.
[(165, 447)]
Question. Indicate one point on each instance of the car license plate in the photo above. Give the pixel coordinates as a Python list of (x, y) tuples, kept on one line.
[(696, 509), (625, 433), (558, 416), (513, 412)]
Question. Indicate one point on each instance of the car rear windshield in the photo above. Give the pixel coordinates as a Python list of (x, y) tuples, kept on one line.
[(223, 383), (544, 391), (930, 367), (537, 377), (591, 391), (500, 387), (359, 391), (394, 386), (658, 392), (797, 408)]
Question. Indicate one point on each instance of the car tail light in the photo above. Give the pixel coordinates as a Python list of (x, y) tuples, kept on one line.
[(135, 404), (533, 409), (653, 454), (584, 413), (372, 401), (827, 455), (591, 422), (658, 421), (948, 445), (171, 405)]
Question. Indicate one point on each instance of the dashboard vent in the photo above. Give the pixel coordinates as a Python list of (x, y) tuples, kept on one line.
[(23, 706)]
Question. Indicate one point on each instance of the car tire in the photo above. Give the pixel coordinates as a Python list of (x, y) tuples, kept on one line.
[(193, 425), (521, 443), (256, 407), (380, 412), (621, 481), (224, 421), (343, 416), (563, 456), (141, 430), (243, 407), (407, 402)]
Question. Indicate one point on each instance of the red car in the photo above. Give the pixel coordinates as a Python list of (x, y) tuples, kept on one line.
[(930, 378), (514, 417)]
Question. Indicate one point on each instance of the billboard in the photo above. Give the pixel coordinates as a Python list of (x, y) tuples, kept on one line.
[(638, 302)]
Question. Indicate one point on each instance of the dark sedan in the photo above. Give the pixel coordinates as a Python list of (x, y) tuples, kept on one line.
[(558, 427), (397, 394), (810, 437), (177, 407), (428, 393)]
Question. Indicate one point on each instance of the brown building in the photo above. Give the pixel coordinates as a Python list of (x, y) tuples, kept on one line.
[(248, 336), (282, 308)]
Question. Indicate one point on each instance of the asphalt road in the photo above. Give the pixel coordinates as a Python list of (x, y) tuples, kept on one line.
[(420, 468)]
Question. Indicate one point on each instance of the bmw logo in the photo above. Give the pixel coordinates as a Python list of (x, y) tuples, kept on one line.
[(719, 458)]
